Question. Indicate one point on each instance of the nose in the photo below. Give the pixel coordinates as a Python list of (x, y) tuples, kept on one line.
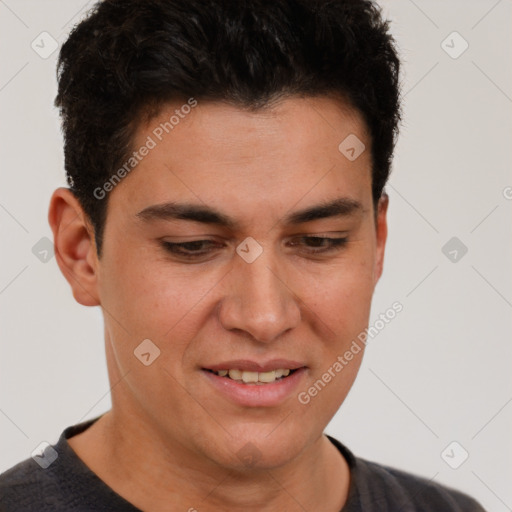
[(258, 302)]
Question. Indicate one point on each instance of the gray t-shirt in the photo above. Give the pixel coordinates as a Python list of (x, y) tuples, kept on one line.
[(68, 485)]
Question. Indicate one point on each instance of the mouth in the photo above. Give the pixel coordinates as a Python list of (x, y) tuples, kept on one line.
[(251, 384), (254, 378)]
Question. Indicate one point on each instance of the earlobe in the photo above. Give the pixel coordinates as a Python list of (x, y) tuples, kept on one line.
[(381, 235), (75, 250)]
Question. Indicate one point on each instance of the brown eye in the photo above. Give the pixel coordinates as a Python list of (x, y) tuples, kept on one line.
[(320, 244), (192, 249)]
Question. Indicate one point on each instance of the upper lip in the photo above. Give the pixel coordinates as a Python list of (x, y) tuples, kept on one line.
[(253, 366)]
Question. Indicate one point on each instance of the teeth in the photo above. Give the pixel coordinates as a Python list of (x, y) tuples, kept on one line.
[(267, 376), (254, 377), (250, 377), (235, 374)]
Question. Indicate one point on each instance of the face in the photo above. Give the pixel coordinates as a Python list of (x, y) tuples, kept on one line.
[(245, 242)]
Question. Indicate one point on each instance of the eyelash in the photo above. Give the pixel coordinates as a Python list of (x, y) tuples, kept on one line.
[(334, 244)]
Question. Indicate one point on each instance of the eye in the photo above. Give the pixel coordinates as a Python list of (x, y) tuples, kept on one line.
[(196, 249), (320, 244), (192, 249)]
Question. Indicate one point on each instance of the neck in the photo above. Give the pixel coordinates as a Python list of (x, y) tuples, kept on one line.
[(150, 473)]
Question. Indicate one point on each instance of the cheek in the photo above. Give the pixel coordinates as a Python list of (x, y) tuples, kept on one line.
[(327, 389), (144, 301), (342, 302), (137, 287), (150, 298), (341, 297)]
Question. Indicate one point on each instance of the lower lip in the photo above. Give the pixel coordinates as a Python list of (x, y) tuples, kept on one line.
[(254, 395)]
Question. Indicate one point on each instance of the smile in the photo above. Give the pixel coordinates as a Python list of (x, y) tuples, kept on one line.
[(254, 378), (271, 386)]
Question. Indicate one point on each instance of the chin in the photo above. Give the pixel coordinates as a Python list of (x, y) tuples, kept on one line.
[(261, 451)]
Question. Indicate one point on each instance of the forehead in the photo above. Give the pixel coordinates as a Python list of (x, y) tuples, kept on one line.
[(225, 156)]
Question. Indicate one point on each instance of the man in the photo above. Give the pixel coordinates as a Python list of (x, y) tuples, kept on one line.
[(226, 163)]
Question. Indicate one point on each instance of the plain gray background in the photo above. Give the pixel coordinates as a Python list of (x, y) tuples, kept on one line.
[(438, 373)]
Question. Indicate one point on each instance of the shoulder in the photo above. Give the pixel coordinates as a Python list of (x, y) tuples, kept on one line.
[(55, 479), (377, 487), (25, 484), (415, 491)]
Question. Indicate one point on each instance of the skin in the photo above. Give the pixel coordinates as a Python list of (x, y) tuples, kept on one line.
[(170, 437)]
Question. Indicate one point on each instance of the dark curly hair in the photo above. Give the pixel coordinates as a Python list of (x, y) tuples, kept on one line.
[(127, 58)]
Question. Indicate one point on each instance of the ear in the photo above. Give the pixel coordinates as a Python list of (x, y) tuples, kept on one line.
[(75, 248), (381, 235)]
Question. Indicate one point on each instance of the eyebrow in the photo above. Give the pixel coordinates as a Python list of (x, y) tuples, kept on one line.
[(340, 207)]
